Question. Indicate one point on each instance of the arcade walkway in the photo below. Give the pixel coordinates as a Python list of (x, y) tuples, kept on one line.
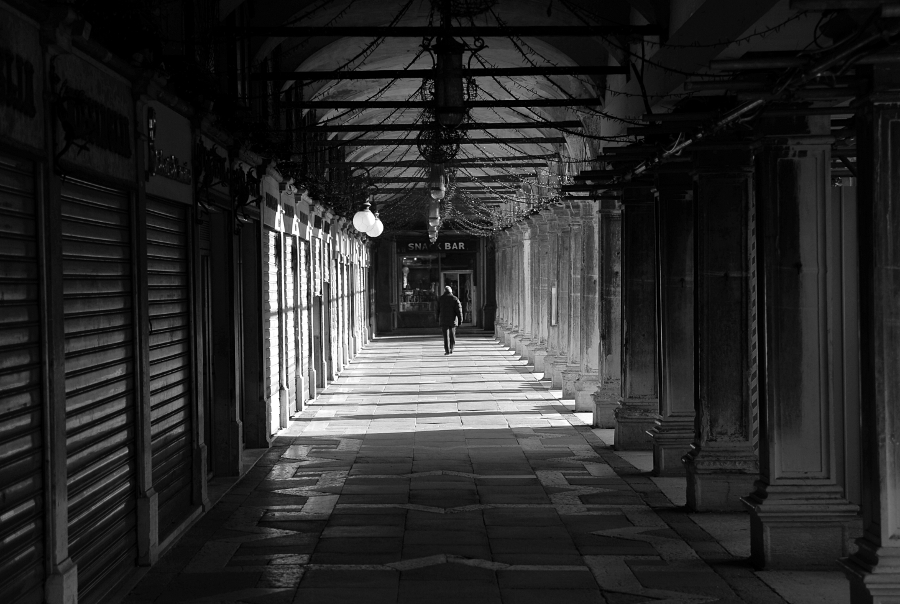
[(423, 478)]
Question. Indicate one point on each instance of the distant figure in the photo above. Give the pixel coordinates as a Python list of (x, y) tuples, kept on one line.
[(449, 316)]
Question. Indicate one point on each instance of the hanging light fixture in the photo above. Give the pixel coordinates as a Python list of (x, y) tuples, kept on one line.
[(449, 89), (364, 219), (437, 182), (377, 228)]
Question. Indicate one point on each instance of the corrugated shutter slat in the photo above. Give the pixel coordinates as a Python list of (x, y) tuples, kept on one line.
[(21, 417), (100, 385), (171, 394)]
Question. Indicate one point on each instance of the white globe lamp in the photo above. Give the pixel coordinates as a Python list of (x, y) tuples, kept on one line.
[(364, 219), (377, 228)]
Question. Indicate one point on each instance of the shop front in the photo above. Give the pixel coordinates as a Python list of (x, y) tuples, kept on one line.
[(425, 268)]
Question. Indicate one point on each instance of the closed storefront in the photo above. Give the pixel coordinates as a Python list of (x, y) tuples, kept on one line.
[(170, 337), (23, 422), (273, 306), (272, 325), (97, 175), (21, 395), (169, 305), (100, 383), (290, 322)]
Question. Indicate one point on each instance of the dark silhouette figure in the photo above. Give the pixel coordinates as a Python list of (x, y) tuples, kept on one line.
[(449, 316)]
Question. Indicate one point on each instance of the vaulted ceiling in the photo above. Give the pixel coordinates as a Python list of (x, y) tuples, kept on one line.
[(523, 125)]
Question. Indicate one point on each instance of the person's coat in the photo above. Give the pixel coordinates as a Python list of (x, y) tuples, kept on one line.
[(449, 310)]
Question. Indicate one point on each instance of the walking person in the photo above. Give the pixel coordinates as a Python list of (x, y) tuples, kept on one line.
[(449, 316)]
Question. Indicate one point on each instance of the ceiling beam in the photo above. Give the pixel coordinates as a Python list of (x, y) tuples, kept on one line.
[(568, 124), (421, 163), (458, 179), (581, 31), (399, 104), (419, 74), (391, 142)]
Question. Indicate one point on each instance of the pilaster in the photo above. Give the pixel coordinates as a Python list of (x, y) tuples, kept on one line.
[(874, 570), (722, 464), (673, 429), (799, 517), (558, 285), (589, 328), (609, 250), (639, 402), (540, 237), (575, 266)]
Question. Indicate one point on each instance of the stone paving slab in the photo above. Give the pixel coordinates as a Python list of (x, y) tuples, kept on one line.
[(417, 478)]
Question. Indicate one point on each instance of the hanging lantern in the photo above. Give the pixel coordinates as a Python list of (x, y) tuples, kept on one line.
[(377, 228), (449, 89), (364, 219), (437, 182)]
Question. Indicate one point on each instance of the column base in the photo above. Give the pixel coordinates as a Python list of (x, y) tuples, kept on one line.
[(672, 438), (556, 369), (585, 387), (61, 586), (570, 376), (717, 477), (606, 402), (800, 527), (540, 355), (874, 574), (634, 418)]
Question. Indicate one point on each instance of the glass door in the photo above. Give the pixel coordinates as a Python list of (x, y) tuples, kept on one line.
[(461, 282)]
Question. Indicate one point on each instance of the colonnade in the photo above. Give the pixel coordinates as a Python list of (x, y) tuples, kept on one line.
[(547, 296), (710, 315)]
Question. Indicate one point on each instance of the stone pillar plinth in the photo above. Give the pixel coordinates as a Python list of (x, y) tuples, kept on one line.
[(673, 430), (874, 570), (722, 465), (609, 259), (639, 403)]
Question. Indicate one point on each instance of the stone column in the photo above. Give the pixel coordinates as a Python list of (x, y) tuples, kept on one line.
[(572, 370), (673, 429), (525, 290), (874, 570), (722, 464), (489, 285), (609, 249), (558, 321), (539, 308), (799, 516), (639, 403), (503, 271), (589, 330)]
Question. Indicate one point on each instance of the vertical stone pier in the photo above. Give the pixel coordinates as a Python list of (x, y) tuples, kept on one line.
[(673, 429), (799, 517), (609, 250), (639, 403), (874, 570), (722, 465), (589, 327)]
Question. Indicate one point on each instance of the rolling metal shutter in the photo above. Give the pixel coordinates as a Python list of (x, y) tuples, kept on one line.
[(100, 384), (271, 331), (171, 397), (21, 457), (290, 325), (305, 342)]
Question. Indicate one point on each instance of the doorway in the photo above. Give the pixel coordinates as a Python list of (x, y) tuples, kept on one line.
[(464, 289)]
